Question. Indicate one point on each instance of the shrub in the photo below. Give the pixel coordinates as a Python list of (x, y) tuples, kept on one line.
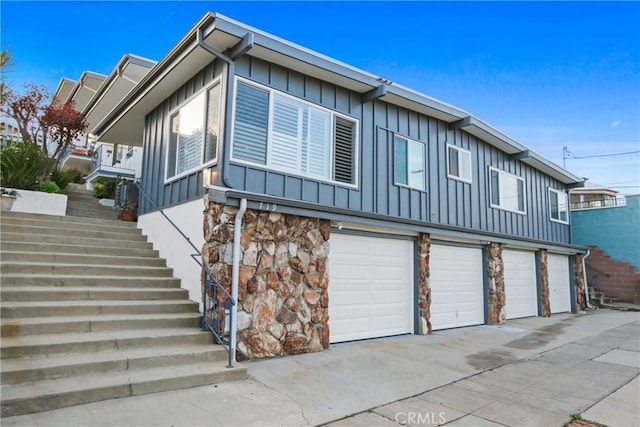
[(76, 175), (21, 165), (99, 191), (61, 177), (50, 187)]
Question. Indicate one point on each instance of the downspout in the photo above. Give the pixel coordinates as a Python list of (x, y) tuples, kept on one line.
[(584, 278), (235, 270), (226, 180), (231, 72)]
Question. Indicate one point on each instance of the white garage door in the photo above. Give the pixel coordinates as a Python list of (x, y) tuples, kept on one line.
[(520, 284), (559, 284), (370, 287), (456, 279)]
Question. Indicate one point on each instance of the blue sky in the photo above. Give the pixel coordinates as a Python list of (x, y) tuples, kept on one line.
[(548, 74)]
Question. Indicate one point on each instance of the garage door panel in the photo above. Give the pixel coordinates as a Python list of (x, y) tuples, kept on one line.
[(456, 279), (520, 284), (371, 287)]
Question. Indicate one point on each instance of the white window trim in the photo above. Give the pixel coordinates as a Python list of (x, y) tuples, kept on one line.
[(458, 178), (202, 166), (289, 172), (552, 190), (524, 189), (424, 163)]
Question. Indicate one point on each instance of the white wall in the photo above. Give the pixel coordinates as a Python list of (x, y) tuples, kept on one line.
[(40, 203), (172, 246), (134, 162)]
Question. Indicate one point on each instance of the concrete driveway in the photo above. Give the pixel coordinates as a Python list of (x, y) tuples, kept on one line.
[(535, 371)]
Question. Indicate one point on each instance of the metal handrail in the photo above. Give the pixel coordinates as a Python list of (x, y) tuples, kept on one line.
[(210, 283)]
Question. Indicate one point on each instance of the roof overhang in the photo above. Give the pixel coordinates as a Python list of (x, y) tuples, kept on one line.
[(125, 124), (85, 88), (538, 162), (124, 77), (63, 91), (595, 190)]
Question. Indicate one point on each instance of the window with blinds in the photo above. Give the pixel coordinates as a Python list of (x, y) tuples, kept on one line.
[(193, 133), (292, 135)]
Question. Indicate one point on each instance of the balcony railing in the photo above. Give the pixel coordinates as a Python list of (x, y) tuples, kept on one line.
[(70, 150), (611, 202), (103, 161)]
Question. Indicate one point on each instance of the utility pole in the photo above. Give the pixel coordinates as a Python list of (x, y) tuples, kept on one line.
[(565, 155)]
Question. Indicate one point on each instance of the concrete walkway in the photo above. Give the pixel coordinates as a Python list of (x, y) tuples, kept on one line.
[(528, 372)]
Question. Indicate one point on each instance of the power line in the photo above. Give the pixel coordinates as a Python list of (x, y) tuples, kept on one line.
[(606, 155)]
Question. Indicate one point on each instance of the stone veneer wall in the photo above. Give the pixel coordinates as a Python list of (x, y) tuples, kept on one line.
[(544, 282), (579, 280), (424, 288), (497, 312), (282, 291)]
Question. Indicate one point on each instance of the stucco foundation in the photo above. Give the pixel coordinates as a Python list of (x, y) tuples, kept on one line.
[(283, 279)]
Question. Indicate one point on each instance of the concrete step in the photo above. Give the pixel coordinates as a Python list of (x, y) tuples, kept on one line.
[(76, 200), (15, 309), (81, 259), (67, 249), (83, 280), (19, 371), (66, 219), (106, 226), (86, 232), (25, 268), (57, 293), (57, 344), (91, 213), (54, 394), (96, 323), (86, 241), (81, 195)]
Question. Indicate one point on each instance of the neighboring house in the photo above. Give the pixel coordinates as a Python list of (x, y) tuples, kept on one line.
[(95, 95), (371, 209), (9, 131), (609, 224), (595, 196), (78, 154)]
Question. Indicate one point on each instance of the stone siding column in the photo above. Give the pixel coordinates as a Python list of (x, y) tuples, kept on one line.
[(424, 297), (544, 282), (283, 280), (496, 284), (581, 303)]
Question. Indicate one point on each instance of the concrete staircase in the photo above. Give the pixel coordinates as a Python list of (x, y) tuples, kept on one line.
[(617, 279), (89, 312), (81, 203)]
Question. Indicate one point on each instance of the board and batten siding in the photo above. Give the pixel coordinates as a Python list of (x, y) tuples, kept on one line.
[(189, 186), (444, 201)]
